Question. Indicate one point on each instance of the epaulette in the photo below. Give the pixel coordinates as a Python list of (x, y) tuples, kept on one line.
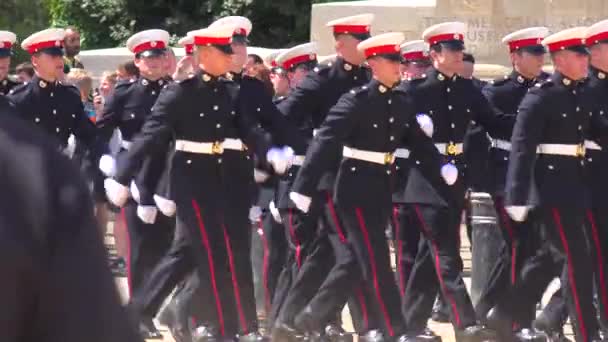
[(359, 90), (125, 83), (323, 68), (500, 81), (20, 88), (544, 84), (72, 88)]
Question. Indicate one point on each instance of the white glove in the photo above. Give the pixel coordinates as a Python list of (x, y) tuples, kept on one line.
[(426, 124), (107, 165), (165, 205), (147, 213), (117, 193), (449, 173), (280, 158), (302, 202), (260, 176), (518, 212), (275, 212), (134, 192), (255, 213)]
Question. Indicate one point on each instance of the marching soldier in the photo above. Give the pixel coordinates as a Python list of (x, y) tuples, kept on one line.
[(57, 284), (321, 288), (597, 217), (453, 103), (127, 109), (368, 124), (406, 233), (203, 116), (7, 40), (186, 64), (505, 95), (548, 156), (49, 104)]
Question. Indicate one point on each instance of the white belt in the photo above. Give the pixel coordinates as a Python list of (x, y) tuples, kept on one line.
[(126, 144), (298, 160), (402, 153), (369, 156), (501, 144), (449, 149), (592, 145), (217, 147), (562, 149), (234, 144)]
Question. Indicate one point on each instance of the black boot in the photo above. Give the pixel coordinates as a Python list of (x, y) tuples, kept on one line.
[(530, 335), (205, 333), (553, 331), (285, 333), (335, 333), (253, 337), (372, 336), (501, 323), (148, 330), (476, 333), (440, 311)]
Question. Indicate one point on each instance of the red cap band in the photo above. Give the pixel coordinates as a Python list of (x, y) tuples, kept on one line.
[(189, 49), (155, 44), (6, 45), (597, 38), (297, 60), (415, 55), (212, 40), (241, 32), (382, 50), (445, 37), (44, 45), (347, 29), (518, 44), (561, 45)]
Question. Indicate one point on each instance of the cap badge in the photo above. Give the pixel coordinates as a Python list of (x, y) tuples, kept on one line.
[(57, 43), (153, 44)]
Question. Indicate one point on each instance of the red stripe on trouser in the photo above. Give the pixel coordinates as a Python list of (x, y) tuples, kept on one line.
[(562, 234), (235, 283), (361, 300), (399, 250), (438, 266), (372, 261), (265, 267), (334, 217), (600, 260), (295, 240), (129, 277), (507, 223), (205, 240)]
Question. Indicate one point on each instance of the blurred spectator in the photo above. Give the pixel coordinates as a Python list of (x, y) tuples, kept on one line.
[(469, 68), (25, 72), (127, 71), (72, 49), (106, 88), (280, 82), (82, 80), (254, 64), (170, 62)]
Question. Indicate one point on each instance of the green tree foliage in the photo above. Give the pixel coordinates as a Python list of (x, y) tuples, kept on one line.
[(23, 17)]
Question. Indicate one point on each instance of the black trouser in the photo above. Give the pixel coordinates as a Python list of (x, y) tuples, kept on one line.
[(275, 248), (438, 259), (365, 230), (597, 223), (520, 243), (147, 245), (320, 285), (565, 233), (407, 237), (214, 242)]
